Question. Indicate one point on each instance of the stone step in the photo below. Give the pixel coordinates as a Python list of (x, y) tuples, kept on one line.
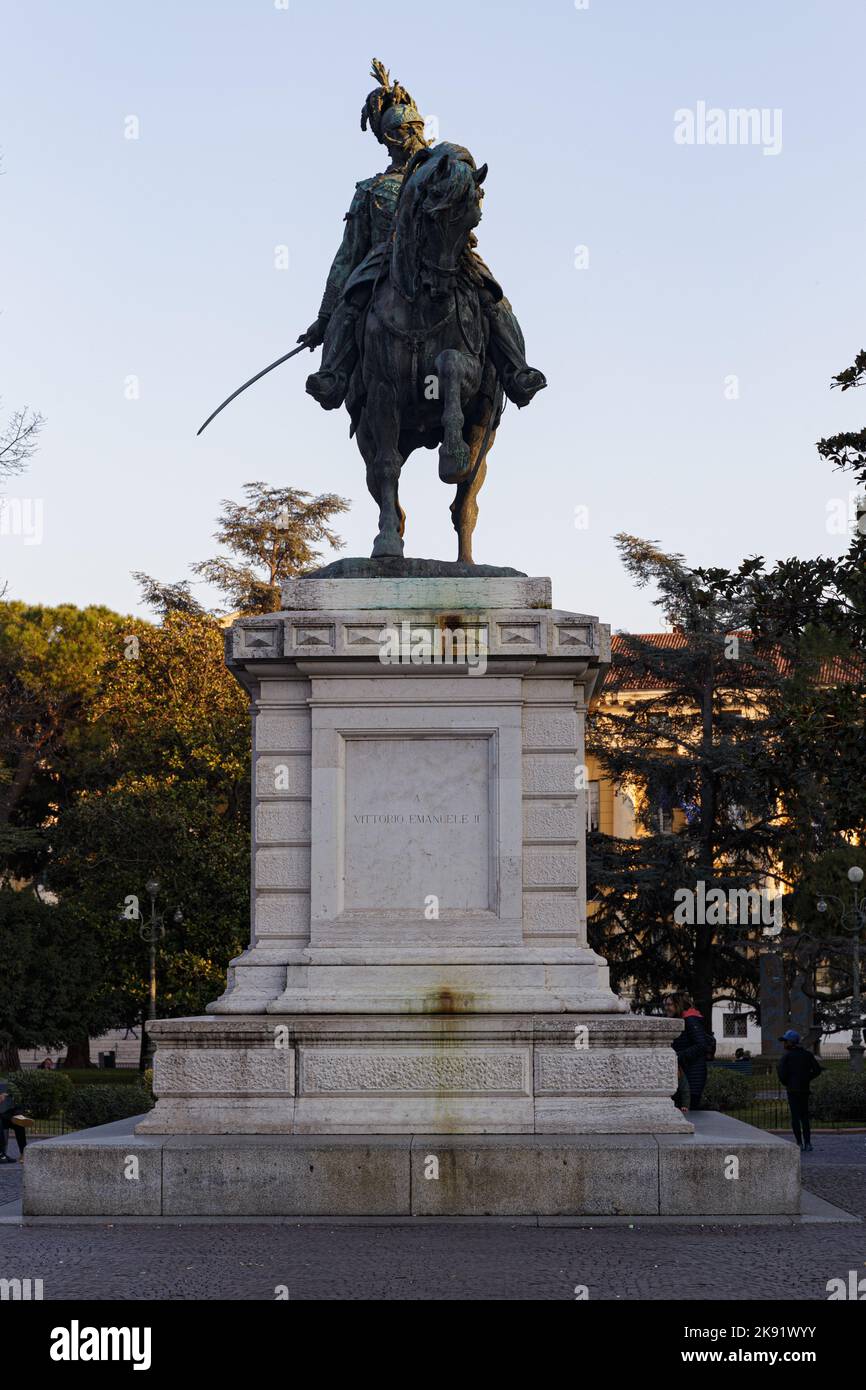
[(725, 1168)]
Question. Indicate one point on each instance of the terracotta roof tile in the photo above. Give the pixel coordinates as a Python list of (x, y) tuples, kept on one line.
[(836, 670)]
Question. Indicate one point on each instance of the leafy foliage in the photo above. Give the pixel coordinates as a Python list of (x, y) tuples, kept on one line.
[(101, 1105), (691, 741), (273, 535), (41, 1094), (51, 977), (725, 1090), (839, 1096)]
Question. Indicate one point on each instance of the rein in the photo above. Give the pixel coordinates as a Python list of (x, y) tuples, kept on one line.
[(417, 335)]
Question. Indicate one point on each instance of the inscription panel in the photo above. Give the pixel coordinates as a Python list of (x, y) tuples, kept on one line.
[(417, 824)]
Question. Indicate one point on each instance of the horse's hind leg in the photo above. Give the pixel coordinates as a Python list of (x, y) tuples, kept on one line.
[(464, 508), (377, 440), (459, 376)]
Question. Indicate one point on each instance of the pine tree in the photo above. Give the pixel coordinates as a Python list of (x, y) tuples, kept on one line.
[(681, 720), (273, 535)]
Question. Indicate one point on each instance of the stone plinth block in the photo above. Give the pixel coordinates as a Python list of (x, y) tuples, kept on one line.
[(422, 1176), (258, 1176), (727, 1168), (445, 1073), (555, 1175), (106, 1171), (235, 1079)]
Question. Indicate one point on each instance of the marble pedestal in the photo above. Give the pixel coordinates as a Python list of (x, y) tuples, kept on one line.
[(418, 1029), (418, 956)]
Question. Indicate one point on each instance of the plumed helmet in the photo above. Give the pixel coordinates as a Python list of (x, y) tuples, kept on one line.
[(389, 108)]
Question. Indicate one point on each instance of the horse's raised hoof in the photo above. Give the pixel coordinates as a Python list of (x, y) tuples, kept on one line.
[(454, 467), (387, 547)]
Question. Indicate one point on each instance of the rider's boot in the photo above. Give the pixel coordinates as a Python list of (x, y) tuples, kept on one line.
[(520, 382), (339, 354)]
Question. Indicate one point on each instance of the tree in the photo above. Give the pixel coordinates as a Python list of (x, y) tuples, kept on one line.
[(18, 441), (18, 444), (127, 746), (274, 535), (165, 795), (51, 978), (814, 612), (689, 742), (847, 453), (52, 665)]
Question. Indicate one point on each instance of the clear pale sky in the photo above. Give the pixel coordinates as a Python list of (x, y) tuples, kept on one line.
[(154, 258)]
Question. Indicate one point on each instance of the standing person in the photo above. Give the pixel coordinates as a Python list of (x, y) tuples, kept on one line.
[(797, 1070), (10, 1118), (681, 1096), (693, 1045)]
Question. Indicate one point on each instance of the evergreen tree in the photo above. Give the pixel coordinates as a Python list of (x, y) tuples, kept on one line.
[(814, 611), (275, 534), (687, 739)]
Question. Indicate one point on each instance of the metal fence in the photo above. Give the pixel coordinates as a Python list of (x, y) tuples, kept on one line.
[(50, 1129), (767, 1107)]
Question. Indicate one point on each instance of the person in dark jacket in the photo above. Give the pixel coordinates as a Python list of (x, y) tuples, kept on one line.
[(692, 1045), (797, 1070), (11, 1119)]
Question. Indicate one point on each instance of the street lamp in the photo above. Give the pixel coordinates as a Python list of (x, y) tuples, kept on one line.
[(153, 931), (851, 916)]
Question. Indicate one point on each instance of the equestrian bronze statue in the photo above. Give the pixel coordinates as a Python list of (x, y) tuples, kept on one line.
[(418, 339)]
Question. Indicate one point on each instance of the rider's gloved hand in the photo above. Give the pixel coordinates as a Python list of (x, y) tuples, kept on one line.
[(315, 334)]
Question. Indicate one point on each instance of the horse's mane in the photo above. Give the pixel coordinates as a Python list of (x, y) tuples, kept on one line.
[(406, 238)]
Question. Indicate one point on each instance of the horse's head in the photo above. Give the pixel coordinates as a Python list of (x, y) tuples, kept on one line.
[(439, 204)]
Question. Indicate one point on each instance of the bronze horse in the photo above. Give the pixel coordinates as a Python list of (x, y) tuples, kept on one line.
[(424, 376)]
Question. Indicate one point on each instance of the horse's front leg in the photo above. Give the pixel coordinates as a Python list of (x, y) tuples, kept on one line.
[(385, 462), (459, 376), (464, 508)]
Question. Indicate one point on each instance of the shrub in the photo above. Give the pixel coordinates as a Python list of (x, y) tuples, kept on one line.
[(725, 1090), (41, 1094), (839, 1095), (100, 1105), (104, 1076)]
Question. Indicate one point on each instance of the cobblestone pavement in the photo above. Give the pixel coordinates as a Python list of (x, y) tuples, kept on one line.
[(491, 1262)]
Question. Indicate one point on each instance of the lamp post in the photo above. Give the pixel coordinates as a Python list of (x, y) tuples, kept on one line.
[(852, 916), (152, 931)]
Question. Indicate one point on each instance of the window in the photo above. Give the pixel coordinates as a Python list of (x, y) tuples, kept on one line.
[(592, 806), (735, 1026), (665, 819)]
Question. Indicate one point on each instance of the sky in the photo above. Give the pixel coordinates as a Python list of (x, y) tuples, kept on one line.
[(688, 300)]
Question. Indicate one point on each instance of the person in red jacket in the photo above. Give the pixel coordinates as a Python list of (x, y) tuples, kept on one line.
[(693, 1046)]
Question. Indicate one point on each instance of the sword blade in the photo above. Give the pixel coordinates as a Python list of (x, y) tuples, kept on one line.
[(253, 379)]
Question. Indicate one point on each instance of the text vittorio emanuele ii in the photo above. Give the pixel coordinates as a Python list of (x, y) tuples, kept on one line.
[(418, 818)]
